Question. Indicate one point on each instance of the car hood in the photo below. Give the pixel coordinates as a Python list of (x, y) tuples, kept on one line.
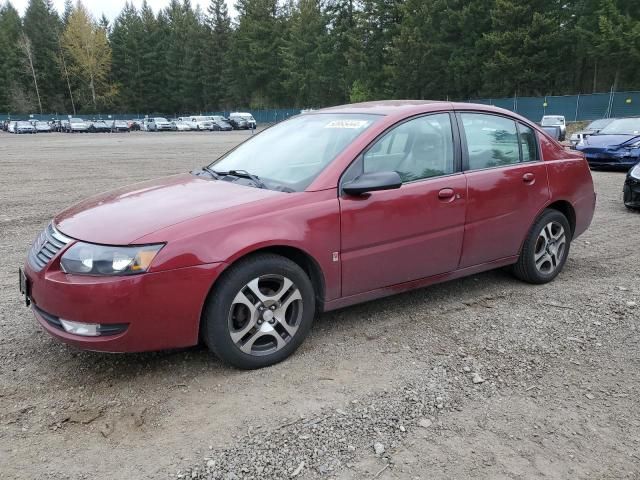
[(122, 216), (604, 141)]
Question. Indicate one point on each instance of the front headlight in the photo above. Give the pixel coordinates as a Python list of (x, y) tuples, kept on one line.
[(635, 172), (90, 259)]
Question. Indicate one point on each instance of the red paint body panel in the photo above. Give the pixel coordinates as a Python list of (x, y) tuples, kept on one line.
[(501, 206), (162, 309), (122, 216), (396, 236), (365, 248)]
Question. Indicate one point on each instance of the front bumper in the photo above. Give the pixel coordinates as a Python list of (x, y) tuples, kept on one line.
[(152, 311), (610, 159), (631, 192)]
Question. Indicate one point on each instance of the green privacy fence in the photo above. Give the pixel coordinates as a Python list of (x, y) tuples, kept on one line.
[(573, 107), (261, 116)]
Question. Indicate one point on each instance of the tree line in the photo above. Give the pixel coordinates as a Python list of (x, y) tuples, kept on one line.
[(311, 53)]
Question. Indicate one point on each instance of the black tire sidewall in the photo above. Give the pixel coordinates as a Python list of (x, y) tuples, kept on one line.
[(215, 330)]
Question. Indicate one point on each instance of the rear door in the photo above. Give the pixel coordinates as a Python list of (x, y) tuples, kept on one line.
[(395, 236), (507, 185)]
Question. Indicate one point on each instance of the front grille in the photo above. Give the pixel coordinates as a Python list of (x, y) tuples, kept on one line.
[(46, 246)]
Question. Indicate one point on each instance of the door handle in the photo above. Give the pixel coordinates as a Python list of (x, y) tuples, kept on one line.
[(446, 194), (528, 178)]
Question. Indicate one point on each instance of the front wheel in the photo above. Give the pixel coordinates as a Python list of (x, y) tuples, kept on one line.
[(545, 249), (259, 312)]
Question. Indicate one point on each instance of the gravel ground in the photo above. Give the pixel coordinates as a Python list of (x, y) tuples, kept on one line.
[(483, 377)]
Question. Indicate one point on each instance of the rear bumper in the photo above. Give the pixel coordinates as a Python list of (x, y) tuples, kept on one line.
[(155, 310)]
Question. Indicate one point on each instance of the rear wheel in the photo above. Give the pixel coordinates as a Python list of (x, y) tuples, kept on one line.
[(545, 249), (259, 312)]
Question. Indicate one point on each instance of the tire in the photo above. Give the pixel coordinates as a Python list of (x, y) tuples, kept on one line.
[(266, 329), (541, 260)]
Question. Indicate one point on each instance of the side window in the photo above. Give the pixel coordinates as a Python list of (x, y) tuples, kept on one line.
[(492, 141), (417, 149), (529, 143)]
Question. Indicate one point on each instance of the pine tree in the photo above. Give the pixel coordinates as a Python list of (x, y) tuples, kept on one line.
[(216, 64), (255, 53), (42, 27), (306, 52), (126, 39), (13, 96)]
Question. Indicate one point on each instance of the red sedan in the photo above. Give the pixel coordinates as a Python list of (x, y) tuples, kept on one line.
[(328, 209)]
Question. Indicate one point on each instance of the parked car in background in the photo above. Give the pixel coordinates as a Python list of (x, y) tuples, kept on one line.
[(246, 116), (42, 127), (616, 145), (11, 127), (322, 211), (159, 124), (24, 127), (181, 126), (554, 132), (188, 120), (201, 122), (555, 121), (238, 123), (120, 126), (135, 125), (631, 189), (75, 125), (220, 124), (591, 129), (251, 122), (99, 126)]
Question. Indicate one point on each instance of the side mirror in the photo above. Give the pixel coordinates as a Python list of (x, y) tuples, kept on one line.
[(373, 182)]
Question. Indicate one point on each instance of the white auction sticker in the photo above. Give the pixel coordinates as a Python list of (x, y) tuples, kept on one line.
[(347, 124)]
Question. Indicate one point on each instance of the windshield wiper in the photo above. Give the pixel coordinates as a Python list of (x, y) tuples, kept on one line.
[(213, 173), (241, 174)]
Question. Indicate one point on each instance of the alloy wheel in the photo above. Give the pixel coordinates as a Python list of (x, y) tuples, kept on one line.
[(550, 248), (265, 315)]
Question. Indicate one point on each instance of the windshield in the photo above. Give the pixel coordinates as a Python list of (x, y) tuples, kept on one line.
[(291, 154), (76, 120), (160, 119), (623, 126), (24, 124), (551, 121)]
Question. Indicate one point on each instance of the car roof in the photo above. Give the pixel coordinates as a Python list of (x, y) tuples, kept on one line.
[(406, 108)]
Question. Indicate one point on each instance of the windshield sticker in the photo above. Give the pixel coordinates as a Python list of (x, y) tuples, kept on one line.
[(353, 124)]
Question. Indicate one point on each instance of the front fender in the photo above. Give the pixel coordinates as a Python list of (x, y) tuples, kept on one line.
[(309, 222)]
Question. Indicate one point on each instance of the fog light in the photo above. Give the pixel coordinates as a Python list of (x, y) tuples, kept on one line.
[(83, 329)]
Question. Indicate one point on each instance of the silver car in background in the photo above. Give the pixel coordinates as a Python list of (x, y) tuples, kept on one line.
[(556, 121)]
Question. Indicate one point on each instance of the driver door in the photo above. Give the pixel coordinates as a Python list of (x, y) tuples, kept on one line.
[(396, 236)]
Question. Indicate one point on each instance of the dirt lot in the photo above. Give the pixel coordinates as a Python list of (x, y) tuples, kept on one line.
[(480, 378)]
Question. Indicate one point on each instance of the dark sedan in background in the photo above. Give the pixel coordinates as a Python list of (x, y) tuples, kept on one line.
[(617, 145), (99, 126), (632, 188)]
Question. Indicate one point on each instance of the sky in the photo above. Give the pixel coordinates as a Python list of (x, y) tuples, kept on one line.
[(111, 8)]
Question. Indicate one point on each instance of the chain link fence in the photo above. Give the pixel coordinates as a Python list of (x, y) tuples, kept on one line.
[(574, 107)]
